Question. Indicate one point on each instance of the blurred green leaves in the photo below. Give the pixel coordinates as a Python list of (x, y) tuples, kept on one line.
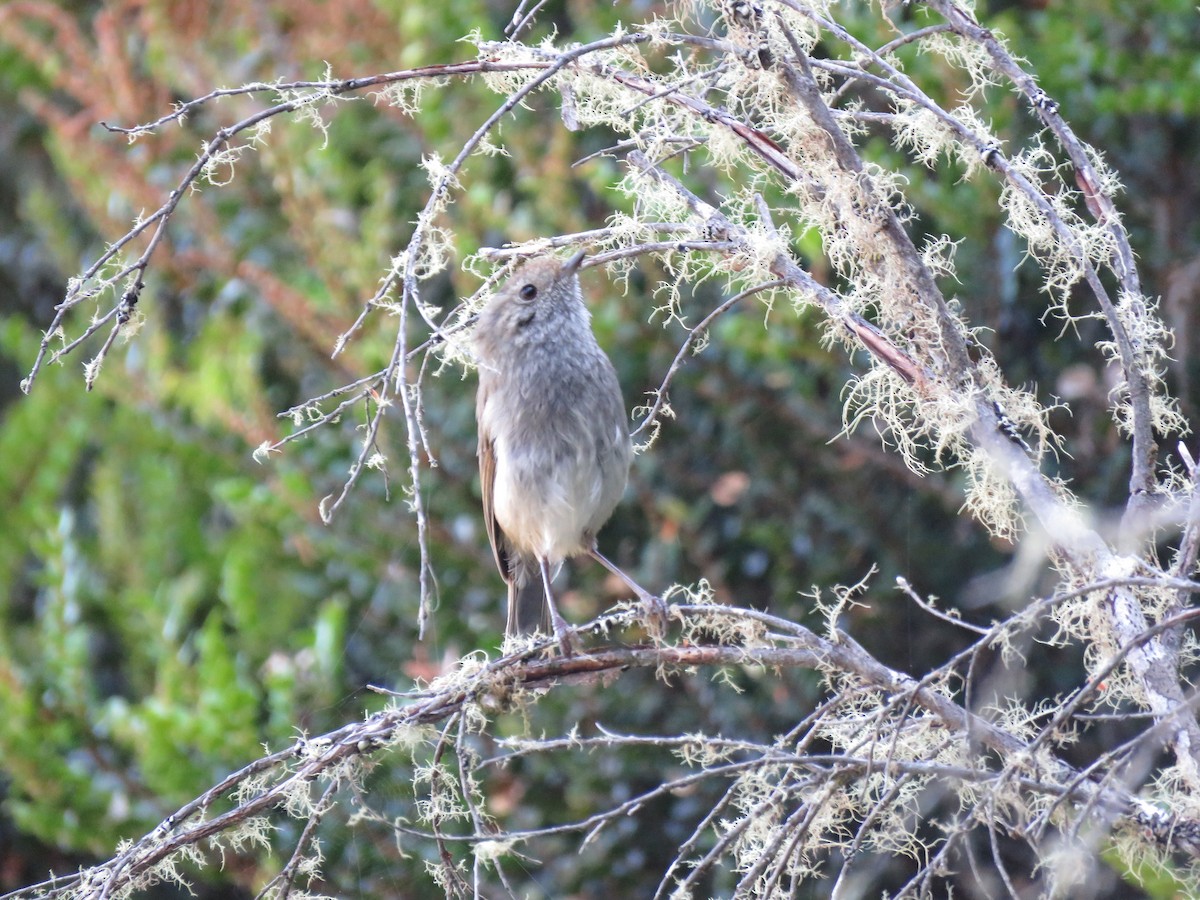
[(168, 606)]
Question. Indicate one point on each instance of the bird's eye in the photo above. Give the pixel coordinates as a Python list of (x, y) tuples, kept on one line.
[(528, 292)]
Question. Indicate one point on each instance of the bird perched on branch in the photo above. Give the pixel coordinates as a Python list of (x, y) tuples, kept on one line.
[(554, 446)]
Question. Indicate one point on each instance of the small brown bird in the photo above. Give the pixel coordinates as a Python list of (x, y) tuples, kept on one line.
[(554, 446)]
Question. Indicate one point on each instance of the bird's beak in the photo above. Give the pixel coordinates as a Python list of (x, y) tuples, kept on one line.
[(571, 266)]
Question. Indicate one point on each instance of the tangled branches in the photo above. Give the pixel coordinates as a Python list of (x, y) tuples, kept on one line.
[(774, 101), (848, 779)]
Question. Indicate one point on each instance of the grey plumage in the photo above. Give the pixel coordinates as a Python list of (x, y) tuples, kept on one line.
[(554, 447)]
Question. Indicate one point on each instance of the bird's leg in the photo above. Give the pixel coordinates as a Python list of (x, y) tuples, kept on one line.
[(656, 605), (561, 631)]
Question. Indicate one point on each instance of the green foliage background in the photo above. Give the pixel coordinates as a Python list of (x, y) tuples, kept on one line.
[(168, 606)]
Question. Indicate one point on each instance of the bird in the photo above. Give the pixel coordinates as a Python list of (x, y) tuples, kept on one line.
[(554, 444)]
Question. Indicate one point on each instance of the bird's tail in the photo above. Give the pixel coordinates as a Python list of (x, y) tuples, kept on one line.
[(527, 609)]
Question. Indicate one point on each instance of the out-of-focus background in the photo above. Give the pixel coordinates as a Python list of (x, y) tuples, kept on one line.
[(168, 605)]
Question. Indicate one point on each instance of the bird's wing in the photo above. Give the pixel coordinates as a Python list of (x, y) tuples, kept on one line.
[(487, 484)]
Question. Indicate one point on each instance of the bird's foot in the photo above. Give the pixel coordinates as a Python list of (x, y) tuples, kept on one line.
[(565, 634), (658, 613)]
